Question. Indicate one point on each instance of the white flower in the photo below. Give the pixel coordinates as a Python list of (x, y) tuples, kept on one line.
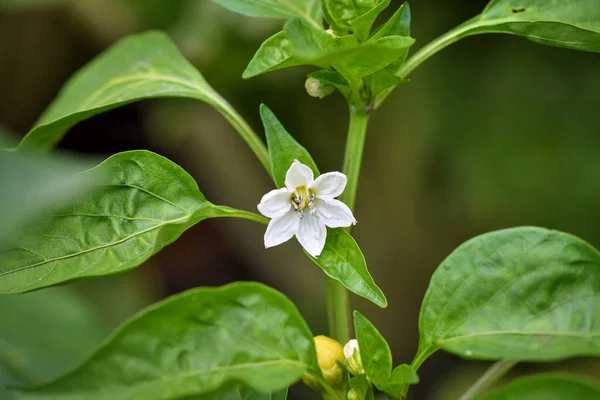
[(305, 207), (353, 360), (350, 347)]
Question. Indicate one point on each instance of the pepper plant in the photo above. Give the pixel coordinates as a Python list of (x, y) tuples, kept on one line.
[(525, 294)]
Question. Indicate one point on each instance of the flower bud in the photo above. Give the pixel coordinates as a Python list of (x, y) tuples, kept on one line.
[(352, 395), (353, 361), (317, 88), (329, 356)]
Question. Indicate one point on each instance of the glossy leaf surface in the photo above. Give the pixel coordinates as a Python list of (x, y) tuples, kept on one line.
[(375, 353), (528, 293), (341, 259), (352, 60), (194, 343), (142, 203), (275, 53), (309, 10), (574, 24), (139, 67), (548, 387)]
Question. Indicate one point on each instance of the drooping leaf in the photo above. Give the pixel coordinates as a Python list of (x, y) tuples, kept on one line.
[(527, 293), (194, 343), (308, 10), (374, 351), (402, 376), (273, 54), (353, 60), (341, 258), (143, 202), (551, 386), (361, 26), (574, 24), (139, 67)]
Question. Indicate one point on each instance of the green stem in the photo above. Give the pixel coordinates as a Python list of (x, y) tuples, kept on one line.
[(250, 137), (338, 303), (429, 50), (491, 376), (224, 211)]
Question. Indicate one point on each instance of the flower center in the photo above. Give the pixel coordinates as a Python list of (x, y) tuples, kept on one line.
[(302, 198)]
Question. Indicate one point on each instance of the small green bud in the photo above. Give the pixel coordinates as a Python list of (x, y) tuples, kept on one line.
[(352, 395), (353, 360), (317, 88)]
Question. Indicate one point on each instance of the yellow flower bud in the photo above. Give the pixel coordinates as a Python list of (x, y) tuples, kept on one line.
[(330, 354)]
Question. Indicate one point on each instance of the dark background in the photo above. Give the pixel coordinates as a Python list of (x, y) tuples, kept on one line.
[(493, 132)]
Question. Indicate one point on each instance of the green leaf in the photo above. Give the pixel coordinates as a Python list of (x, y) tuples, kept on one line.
[(551, 386), (32, 186), (139, 67), (283, 148), (239, 392), (350, 59), (143, 202), (308, 10), (45, 333), (341, 259), (273, 54), (343, 12), (194, 343), (361, 26), (333, 78), (573, 24), (397, 25), (374, 351), (402, 376), (527, 294), (362, 387)]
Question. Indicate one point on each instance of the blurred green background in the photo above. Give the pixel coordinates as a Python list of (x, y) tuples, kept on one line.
[(493, 132)]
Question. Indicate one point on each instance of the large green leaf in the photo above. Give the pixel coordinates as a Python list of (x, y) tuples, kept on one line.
[(33, 185), (309, 10), (343, 13), (136, 68), (573, 24), (341, 259), (239, 392), (143, 203), (194, 343), (526, 293), (44, 334), (548, 387)]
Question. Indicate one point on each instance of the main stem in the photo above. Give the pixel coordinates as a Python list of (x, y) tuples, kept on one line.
[(491, 376), (338, 304)]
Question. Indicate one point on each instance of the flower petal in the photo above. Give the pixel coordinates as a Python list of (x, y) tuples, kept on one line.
[(350, 347), (275, 203), (331, 184), (334, 213), (282, 228), (298, 175), (312, 234)]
